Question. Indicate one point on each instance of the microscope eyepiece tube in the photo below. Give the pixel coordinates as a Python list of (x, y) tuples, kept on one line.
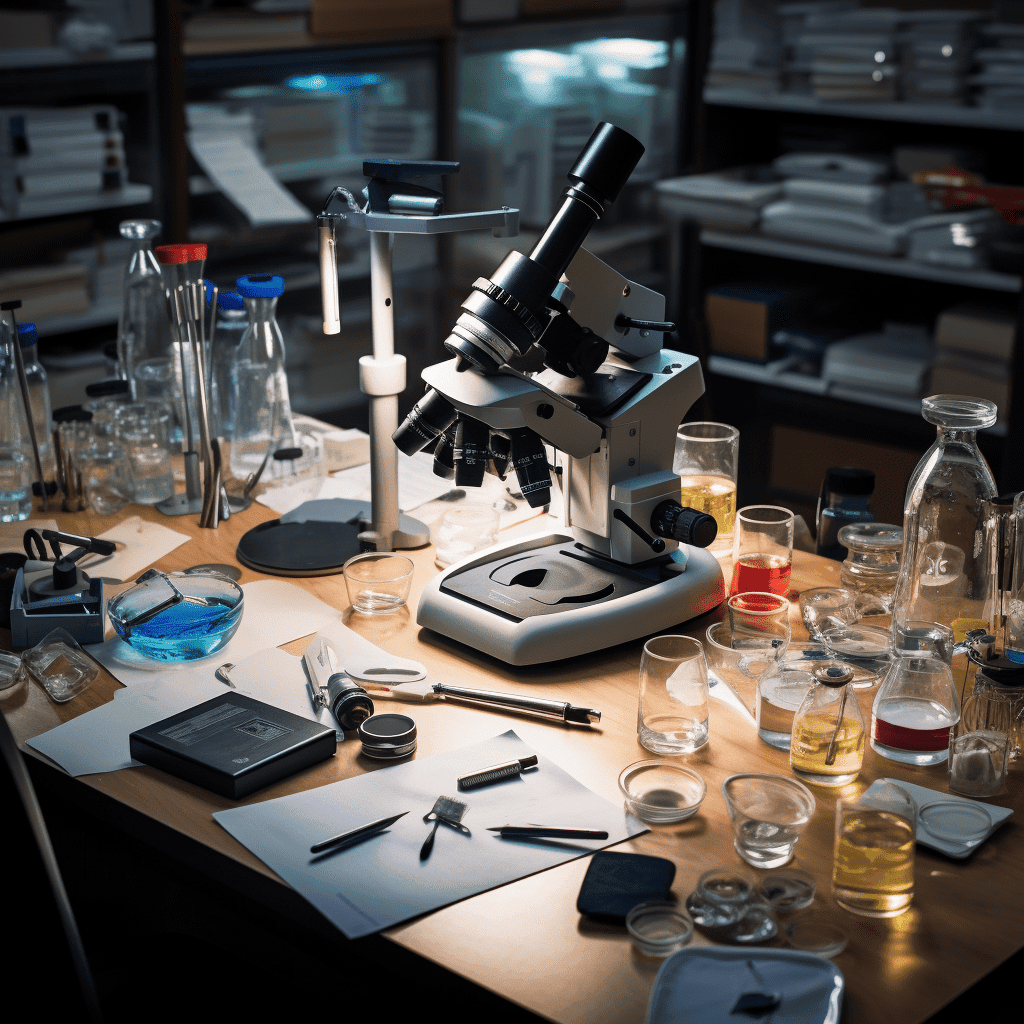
[(430, 416)]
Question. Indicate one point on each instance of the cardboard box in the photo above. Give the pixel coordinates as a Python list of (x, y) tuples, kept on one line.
[(986, 331), (801, 457), (743, 317)]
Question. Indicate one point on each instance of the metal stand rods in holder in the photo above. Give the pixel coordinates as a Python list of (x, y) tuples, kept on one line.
[(182, 267), (393, 206)]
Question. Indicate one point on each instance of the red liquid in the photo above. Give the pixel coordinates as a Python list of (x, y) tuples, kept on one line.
[(761, 572), (902, 738)]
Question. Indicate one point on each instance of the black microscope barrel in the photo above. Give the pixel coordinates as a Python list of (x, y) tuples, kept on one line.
[(472, 452), (531, 465), (430, 416)]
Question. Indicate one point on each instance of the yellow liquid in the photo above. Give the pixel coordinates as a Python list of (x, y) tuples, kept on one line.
[(713, 495), (808, 749), (873, 870)]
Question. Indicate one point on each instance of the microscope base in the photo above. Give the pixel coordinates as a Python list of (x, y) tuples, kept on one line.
[(543, 599)]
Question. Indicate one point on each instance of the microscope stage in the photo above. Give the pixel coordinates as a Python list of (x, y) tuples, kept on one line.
[(544, 599)]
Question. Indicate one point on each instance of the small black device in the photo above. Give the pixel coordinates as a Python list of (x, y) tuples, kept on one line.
[(617, 882), (233, 744)]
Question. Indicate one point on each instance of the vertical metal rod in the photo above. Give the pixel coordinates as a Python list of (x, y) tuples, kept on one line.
[(192, 486), (19, 362)]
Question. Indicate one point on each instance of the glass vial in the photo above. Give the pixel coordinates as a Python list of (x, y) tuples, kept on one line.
[(942, 569), (827, 747), (144, 329), (39, 395), (259, 387)]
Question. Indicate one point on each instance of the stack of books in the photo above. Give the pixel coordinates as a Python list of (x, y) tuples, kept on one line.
[(851, 55), (796, 70), (47, 291), (50, 156), (747, 47), (1000, 74), (939, 51), (974, 353)]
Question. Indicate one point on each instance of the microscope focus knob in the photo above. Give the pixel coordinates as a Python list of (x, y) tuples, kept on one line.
[(686, 525)]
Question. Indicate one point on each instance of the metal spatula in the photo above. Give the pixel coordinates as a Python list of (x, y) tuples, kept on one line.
[(449, 812)]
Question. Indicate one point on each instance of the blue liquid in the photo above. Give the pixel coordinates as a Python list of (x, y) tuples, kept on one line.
[(15, 505), (184, 631), (1017, 656)]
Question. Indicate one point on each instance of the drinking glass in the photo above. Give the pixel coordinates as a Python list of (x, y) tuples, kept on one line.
[(378, 581), (673, 711), (769, 814), (873, 865), (823, 608), (979, 745), (706, 459), (464, 530), (144, 430), (106, 475), (757, 614), (294, 475), (762, 550)]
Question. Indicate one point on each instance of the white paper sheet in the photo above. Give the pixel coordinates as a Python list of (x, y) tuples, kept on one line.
[(416, 481), (141, 543), (381, 881), (98, 740), (237, 170), (275, 613)]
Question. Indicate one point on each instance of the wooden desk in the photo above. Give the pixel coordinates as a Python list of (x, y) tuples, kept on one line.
[(515, 941)]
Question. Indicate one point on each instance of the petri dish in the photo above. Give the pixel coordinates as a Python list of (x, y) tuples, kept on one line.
[(858, 641), (758, 924), (810, 934), (658, 928), (661, 792), (788, 889), (9, 665), (955, 822)]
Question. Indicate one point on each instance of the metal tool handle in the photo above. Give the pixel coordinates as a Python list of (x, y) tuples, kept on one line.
[(538, 705), (428, 843)]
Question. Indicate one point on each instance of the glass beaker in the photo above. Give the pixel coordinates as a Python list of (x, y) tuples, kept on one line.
[(872, 566), (706, 459), (942, 571), (143, 429), (672, 716), (979, 745), (762, 551), (917, 704)]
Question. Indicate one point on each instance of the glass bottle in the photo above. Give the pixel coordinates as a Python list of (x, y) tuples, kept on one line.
[(827, 748), (259, 387), (231, 325), (844, 497), (916, 704), (942, 568), (144, 328), (39, 395), (872, 565), (17, 461), (1013, 631)]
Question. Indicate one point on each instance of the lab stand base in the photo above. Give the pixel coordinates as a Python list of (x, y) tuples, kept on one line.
[(544, 599)]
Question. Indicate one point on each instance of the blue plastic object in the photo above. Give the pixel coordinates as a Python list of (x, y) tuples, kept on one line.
[(260, 286), (27, 335)]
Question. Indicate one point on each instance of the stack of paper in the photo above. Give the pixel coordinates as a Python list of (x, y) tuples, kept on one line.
[(731, 199), (747, 46), (894, 360), (1000, 78), (939, 51)]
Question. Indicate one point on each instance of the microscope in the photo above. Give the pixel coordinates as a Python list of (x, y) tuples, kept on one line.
[(557, 348)]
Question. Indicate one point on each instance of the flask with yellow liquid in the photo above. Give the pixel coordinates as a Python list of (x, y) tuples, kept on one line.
[(827, 748)]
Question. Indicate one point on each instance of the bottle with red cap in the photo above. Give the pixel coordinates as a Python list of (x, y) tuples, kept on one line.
[(143, 330), (259, 386)]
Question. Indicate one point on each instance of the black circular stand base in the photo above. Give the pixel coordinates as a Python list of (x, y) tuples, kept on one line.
[(298, 549)]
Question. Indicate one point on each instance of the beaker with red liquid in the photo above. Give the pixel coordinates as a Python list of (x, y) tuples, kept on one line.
[(762, 554)]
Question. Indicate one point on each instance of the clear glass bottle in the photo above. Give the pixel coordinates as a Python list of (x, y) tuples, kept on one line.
[(144, 328), (827, 748), (917, 704), (844, 497), (39, 395), (232, 322), (1013, 631), (872, 566), (259, 386), (17, 461), (942, 568)]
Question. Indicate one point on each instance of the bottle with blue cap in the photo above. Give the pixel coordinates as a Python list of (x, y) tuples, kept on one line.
[(39, 395), (144, 328), (259, 386), (17, 460), (231, 324)]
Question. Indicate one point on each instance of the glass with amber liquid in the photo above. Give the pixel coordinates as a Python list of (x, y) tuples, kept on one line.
[(827, 745), (762, 552), (706, 461), (873, 865)]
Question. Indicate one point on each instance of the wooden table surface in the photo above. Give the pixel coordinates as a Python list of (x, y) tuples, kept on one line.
[(526, 941)]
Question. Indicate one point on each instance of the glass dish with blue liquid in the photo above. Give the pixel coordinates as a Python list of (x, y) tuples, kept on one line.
[(178, 616)]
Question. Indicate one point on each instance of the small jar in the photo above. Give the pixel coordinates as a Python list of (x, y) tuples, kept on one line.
[(1014, 692), (827, 747), (872, 564)]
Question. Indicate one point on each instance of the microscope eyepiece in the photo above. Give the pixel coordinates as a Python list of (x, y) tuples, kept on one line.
[(429, 417)]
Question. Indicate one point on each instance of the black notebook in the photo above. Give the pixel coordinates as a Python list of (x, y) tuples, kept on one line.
[(233, 744)]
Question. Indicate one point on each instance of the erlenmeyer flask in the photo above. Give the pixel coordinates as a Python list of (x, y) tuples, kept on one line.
[(942, 569)]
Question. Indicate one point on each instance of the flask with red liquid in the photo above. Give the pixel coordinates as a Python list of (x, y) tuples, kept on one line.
[(917, 703)]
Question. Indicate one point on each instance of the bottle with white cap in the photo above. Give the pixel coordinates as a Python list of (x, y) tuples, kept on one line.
[(259, 386)]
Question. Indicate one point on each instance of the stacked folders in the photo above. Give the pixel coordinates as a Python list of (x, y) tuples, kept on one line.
[(49, 154)]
